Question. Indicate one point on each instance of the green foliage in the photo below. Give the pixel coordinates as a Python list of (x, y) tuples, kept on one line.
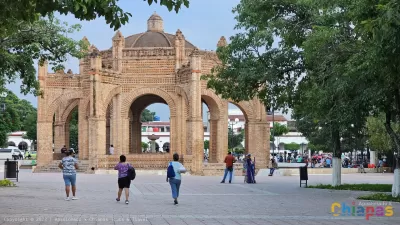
[(206, 144), (31, 126), (147, 116), (356, 187), (15, 115), (73, 130), (29, 32), (379, 197), (234, 140), (292, 146), (278, 130), (379, 139), (145, 145), (239, 150), (7, 183)]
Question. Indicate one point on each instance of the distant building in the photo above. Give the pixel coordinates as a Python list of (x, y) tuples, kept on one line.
[(16, 139)]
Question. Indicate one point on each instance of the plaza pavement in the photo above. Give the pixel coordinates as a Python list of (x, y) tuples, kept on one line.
[(39, 199)]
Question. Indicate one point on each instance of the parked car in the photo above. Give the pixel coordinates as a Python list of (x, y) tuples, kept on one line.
[(30, 155), (6, 153)]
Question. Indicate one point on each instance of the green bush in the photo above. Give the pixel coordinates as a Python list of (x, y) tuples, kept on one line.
[(6, 183), (356, 187)]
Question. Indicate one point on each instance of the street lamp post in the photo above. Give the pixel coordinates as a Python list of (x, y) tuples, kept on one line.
[(231, 124)]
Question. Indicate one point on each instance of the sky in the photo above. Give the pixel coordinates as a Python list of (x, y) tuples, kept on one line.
[(203, 23)]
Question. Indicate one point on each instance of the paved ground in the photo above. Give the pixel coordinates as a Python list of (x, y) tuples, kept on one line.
[(39, 199)]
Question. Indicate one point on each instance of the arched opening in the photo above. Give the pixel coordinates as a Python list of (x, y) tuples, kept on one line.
[(149, 125), (211, 117), (237, 131), (23, 146), (71, 130), (11, 144)]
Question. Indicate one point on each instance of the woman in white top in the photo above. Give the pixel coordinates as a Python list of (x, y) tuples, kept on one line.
[(175, 182)]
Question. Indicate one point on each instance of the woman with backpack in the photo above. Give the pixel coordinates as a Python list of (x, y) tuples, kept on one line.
[(174, 171), (124, 181)]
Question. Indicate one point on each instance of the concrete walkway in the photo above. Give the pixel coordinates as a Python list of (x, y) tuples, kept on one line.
[(39, 199)]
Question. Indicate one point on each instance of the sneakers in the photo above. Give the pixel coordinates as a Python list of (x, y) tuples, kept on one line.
[(117, 199), (127, 202), (230, 181), (222, 182), (75, 198), (67, 199), (176, 202)]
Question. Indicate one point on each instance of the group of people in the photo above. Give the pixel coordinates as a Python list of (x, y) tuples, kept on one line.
[(69, 165)]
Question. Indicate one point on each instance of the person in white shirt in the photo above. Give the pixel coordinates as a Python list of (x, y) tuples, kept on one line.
[(175, 182), (111, 150)]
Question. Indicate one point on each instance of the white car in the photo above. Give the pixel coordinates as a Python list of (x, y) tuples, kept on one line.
[(10, 154)]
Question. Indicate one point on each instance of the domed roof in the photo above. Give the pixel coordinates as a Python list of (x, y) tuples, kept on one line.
[(153, 39)]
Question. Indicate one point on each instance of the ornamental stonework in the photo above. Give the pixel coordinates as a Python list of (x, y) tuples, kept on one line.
[(112, 88)]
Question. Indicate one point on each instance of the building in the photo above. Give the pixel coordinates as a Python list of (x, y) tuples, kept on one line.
[(16, 139), (114, 85)]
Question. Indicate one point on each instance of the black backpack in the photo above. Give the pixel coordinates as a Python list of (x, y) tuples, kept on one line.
[(131, 173)]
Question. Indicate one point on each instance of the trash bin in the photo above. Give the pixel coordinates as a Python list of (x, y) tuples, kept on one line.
[(303, 175), (11, 170)]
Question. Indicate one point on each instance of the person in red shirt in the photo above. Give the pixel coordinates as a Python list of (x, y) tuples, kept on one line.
[(229, 160)]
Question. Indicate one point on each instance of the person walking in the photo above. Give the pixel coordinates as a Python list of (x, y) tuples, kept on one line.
[(176, 180), (229, 160), (69, 165), (124, 182), (274, 166)]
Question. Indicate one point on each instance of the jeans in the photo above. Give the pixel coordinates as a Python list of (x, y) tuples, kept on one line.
[(226, 173), (175, 185), (271, 171)]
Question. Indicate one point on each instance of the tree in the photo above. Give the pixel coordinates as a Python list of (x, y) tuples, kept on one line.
[(234, 140), (206, 144), (278, 130), (73, 130), (29, 32), (145, 146), (292, 146), (31, 126), (379, 139), (147, 116)]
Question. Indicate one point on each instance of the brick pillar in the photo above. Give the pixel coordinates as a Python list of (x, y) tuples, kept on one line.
[(66, 133), (195, 121), (97, 139), (257, 142), (136, 134), (83, 131), (45, 143), (59, 136), (115, 125), (213, 151), (125, 135)]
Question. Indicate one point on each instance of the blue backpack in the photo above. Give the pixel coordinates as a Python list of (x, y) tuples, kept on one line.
[(170, 171)]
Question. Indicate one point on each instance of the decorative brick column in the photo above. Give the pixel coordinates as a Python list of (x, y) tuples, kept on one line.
[(45, 143), (257, 142), (59, 136), (83, 131)]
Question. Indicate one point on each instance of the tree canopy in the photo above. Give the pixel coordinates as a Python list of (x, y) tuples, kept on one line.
[(147, 116), (278, 130), (29, 32)]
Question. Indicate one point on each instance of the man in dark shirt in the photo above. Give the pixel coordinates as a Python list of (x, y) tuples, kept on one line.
[(229, 160)]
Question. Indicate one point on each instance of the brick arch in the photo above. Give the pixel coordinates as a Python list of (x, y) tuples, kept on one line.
[(110, 96), (213, 101), (69, 109), (133, 95), (184, 95), (247, 110), (63, 98)]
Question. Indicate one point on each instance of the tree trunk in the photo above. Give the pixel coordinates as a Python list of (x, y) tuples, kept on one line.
[(336, 158), (396, 141)]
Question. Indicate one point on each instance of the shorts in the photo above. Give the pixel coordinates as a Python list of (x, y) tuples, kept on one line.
[(69, 179), (124, 182)]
